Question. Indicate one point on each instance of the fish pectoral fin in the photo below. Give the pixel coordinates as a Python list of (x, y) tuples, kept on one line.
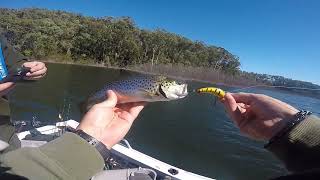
[(145, 93)]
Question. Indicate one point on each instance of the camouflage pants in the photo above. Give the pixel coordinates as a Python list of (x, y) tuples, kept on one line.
[(7, 134)]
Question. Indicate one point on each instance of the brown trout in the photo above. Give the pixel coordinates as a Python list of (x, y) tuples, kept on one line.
[(145, 88)]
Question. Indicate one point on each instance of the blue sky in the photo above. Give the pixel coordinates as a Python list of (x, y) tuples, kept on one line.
[(279, 37)]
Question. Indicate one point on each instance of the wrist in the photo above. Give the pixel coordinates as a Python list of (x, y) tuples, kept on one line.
[(100, 147), (288, 124), (279, 126), (280, 123), (96, 133)]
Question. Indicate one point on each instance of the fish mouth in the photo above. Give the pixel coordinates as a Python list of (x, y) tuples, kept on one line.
[(183, 91), (176, 92)]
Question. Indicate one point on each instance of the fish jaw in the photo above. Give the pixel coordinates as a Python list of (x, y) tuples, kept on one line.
[(176, 91)]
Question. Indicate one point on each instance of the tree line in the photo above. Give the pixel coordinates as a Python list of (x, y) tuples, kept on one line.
[(119, 42), (42, 33)]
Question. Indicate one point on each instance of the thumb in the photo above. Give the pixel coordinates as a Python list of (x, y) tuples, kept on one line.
[(232, 108), (111, 101), (229, 103)]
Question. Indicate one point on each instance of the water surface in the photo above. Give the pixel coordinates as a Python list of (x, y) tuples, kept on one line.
[(193, 133)]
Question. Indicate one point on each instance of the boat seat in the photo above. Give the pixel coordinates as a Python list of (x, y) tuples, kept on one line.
[(126, 174)]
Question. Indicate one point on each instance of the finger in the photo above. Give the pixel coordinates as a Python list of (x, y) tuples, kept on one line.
[(140, 104), (246, 98), (232, 108), (30, 64), (37, 73), (34, 65), (111, 100), (37, 67), (242, 105), (32, 77), (229, 102), (135, 110), (128, 106)]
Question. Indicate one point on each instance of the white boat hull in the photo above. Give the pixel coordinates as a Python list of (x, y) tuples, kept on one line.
[(126, 152)]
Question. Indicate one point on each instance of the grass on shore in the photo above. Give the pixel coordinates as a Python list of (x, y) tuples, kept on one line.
[(203, 74)]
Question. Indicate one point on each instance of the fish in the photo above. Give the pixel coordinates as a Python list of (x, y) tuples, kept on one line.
[(141, 88)]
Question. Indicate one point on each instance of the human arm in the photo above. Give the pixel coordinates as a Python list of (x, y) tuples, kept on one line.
[(71, 157), (5, 88), (14, 61), (261, 117)]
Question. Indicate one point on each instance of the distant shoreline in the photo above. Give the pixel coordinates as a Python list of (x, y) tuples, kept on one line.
[(145, 72), (300, 91)]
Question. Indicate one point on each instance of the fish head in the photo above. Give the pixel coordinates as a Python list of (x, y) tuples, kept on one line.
[(171, 89)]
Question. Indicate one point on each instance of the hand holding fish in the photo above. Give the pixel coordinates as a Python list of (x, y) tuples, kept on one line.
[(258, 116), (37, 70), (109, 122)]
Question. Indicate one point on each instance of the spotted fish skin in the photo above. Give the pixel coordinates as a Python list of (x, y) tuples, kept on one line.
[(131, 85), (139, 88)]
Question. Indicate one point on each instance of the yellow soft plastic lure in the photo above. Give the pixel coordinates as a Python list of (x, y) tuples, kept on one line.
[(212, 90)]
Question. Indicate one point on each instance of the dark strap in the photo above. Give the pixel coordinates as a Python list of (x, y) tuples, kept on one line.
[(299, 117), (101, 148)]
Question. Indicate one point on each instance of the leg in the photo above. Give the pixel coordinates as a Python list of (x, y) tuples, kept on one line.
[(7, 134)]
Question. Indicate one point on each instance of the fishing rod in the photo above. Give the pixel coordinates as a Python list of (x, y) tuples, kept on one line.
[(284, 87)]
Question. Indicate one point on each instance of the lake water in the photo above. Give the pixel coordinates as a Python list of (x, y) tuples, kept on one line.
[(193, 133)]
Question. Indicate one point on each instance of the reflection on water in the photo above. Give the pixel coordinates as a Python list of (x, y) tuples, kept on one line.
[(192, 133)]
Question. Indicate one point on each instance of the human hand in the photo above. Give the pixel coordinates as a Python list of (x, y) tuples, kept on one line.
[(258, 116), (109, 122), (5, 88), (37, 70)]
